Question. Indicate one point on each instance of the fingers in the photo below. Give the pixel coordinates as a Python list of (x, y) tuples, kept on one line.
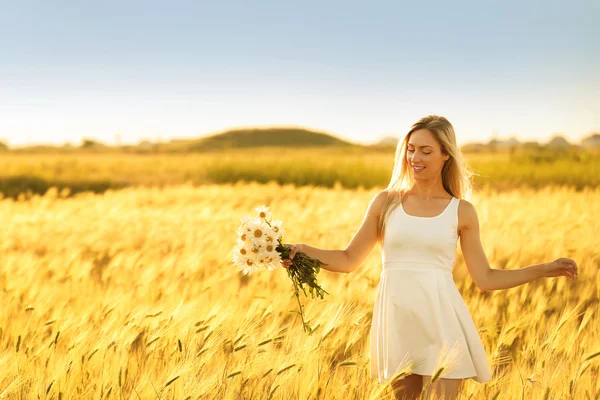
[(293, 251), (563, 267), (570, 262), (570, 271), (569, 275), (570, 265), (288, 261)]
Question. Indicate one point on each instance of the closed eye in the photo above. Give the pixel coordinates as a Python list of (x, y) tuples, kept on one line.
[(411, 150)]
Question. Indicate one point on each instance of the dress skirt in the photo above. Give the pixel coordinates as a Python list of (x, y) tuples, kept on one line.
[(421, 321)]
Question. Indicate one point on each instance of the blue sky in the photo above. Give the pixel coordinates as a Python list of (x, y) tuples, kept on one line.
[(359, 70)]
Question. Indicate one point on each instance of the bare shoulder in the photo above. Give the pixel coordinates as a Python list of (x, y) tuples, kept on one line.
[(467, 215), (381, 196), (377, 202)]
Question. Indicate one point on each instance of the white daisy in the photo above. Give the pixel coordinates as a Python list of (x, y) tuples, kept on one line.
[(276, 226), (263, 212)]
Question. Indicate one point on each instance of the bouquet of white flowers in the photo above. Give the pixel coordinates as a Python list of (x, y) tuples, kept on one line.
[(259, 246)]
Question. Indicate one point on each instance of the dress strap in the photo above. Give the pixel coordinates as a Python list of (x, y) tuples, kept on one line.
[(454, 209), (456, 204)]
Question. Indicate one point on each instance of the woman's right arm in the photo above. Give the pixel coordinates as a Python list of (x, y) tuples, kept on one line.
[(356, 251)]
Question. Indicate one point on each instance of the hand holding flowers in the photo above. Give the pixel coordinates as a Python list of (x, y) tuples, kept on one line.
[(259, 246)]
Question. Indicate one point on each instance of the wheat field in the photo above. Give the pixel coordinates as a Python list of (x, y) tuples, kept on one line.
[(80, 171), (132, 294)]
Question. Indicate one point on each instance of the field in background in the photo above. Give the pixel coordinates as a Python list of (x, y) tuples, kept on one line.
[(349, 167), (131, 294)]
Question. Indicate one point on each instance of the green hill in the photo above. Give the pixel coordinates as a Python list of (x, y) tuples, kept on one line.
[(265, 137)]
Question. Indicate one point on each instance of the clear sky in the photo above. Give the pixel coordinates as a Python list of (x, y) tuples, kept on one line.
[(357, 69)]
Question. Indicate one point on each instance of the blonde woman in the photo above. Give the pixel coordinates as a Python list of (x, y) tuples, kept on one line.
[(419, 316)]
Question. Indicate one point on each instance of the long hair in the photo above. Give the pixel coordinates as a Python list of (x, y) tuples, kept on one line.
[(456, 176)]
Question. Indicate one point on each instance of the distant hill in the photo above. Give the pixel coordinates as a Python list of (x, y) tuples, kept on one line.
[(386, 144), (265, 137)]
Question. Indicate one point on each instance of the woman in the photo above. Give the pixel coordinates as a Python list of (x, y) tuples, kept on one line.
[(419, 313)]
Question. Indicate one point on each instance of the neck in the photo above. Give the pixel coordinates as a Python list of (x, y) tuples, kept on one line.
[(427, 189)]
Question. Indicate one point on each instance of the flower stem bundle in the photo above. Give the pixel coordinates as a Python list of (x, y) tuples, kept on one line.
[(303, 271)]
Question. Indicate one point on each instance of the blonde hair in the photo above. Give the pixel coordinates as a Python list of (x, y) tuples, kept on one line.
[(456, 176)]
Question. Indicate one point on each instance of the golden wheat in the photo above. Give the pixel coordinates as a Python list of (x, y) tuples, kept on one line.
[(135, 290)]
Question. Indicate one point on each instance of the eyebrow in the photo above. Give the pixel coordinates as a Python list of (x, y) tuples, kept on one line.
[(410, 144)]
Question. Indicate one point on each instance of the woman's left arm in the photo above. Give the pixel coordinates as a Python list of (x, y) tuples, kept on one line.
[(487, 278)]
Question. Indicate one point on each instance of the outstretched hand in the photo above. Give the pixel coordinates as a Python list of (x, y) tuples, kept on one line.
[(561, 266), (286, 262)]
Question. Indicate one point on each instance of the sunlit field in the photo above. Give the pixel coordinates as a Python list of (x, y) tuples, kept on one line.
[(323, 167), (131, 294)]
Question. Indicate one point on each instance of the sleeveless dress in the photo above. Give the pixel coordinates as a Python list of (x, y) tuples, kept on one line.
[(419, 317)]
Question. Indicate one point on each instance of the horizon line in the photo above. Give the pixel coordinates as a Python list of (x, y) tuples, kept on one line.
[(159, 139)]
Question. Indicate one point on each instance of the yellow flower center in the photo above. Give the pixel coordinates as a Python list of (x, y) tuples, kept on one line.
[(269, 239), (258, 233), (255, 250), (244, 236), (263, 214), (276, 229), (248, 262), (243, 251), (269, 248)]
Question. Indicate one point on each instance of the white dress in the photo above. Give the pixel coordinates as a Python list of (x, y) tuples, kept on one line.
[(419, 316)]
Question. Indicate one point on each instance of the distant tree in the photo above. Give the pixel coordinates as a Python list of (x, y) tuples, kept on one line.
[(558, 142), (3, 146), (591, 142), (90, 143), (473, 147), (146, 146), (531, 145)]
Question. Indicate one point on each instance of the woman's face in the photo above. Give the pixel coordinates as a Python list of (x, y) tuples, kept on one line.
[(424, 155)]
